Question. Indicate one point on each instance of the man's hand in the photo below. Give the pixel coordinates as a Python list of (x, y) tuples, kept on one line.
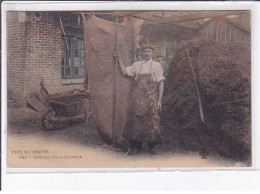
[(117, 55), (161, 87), (159, 105), (120, 61)]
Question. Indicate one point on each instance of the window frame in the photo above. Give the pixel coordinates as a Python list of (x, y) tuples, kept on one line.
[(68, 40)]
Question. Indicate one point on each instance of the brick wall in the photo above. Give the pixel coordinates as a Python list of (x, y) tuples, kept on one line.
[(16, 55), (34, 53)]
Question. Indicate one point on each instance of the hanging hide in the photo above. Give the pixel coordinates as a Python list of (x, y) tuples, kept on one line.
[(109, 88)]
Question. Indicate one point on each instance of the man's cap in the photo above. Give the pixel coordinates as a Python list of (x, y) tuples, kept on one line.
[(145, 46)]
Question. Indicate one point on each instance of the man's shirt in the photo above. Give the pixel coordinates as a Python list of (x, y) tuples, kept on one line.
[(146, 67)]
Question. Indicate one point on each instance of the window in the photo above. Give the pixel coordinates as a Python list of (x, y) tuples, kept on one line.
[(73, 60), (170, 48)]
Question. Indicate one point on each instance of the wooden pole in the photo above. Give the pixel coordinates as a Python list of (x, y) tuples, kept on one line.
[(115, 90), (197, 88)]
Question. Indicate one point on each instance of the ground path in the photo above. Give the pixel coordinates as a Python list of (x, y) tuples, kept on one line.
[(80, 146)]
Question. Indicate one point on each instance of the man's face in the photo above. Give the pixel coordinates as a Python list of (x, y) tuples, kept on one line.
[(147, 54)]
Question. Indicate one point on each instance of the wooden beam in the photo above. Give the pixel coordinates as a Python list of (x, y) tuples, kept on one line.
[(238, 24), (138, 17), (150, 20), (177, 20), (158, 15), (182, 24), (206, 22), (190, 17), (115, 14), (197, 16)]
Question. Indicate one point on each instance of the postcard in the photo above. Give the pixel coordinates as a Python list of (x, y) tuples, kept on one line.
[(128, 89)]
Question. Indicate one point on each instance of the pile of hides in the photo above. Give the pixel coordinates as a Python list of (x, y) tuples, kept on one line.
[(223, 76)]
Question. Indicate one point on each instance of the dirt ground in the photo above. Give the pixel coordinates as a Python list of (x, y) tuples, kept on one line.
[(80, 146)]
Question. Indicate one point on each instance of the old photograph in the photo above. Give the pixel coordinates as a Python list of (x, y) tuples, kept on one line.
[(129, 89)]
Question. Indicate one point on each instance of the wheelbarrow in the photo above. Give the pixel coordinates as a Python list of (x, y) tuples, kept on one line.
[(73, 108)]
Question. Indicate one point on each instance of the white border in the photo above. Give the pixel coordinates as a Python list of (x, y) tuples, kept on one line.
[(81, 6), (123, 5)]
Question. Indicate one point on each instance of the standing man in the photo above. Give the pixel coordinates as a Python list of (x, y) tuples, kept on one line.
[(143, 124)]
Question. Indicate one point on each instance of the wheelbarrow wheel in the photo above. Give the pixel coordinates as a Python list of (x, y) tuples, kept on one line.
[(47, 121)]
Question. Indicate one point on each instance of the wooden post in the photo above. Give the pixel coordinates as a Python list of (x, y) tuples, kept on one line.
[(86, 81), (217, 29), (199, 34)]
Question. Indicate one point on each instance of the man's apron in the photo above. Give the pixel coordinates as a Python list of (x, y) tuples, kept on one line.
[(143, 123)]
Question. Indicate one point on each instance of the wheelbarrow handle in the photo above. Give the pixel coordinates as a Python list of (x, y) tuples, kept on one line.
[(43, 88)]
